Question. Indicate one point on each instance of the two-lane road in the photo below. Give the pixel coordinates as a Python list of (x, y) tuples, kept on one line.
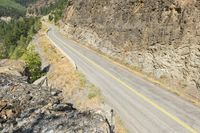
[(143, 106)]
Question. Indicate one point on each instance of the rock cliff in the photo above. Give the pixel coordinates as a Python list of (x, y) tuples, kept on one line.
[(27, 108), (159, 37)]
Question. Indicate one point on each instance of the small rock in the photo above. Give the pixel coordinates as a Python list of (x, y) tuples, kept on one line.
[(29, 98), (61, 107), (9, 114), (38, 111), (54, 93)]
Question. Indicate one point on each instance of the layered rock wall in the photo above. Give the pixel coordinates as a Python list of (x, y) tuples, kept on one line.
[(159, 37)]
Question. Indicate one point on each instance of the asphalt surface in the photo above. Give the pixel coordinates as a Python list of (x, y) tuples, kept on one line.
[(142, 106)]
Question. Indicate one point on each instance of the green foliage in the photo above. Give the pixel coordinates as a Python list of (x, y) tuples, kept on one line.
[(56, 10), (20, 48), (3, 51), (93, 92), (11, 8), (16, 35), (33, 63)]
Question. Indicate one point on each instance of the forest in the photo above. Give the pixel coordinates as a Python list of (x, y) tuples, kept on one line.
[(16, 35), (11, 8), (14, 8), (56, 10)]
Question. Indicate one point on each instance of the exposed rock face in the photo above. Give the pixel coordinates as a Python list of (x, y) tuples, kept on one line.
[(12, 67), (159, 37), (26, 108)]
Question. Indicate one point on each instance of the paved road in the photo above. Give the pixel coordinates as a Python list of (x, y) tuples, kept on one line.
[(143, 106)]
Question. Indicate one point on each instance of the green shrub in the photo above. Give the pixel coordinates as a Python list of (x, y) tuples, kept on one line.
[(93, 92), (33, 63), (3, 51)]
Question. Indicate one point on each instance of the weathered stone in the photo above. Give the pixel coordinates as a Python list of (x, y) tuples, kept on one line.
[(41, 81), (12, 67), (30, 108), (53, 93)]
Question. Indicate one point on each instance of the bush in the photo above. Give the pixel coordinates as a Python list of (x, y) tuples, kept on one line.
[(93, 92), (3, 51), (33, 63)]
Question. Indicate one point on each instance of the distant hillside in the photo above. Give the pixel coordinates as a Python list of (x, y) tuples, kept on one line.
[(43, 7), (11, 8), (26, 2)]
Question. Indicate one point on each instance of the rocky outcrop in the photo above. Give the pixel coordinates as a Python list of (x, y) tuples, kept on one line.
[(12, 67), (158, 37), (31, 108)]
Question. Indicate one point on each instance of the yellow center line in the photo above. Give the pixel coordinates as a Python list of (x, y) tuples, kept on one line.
[(148, 100)]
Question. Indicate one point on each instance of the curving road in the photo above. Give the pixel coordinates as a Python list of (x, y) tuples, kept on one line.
[(143, 106)]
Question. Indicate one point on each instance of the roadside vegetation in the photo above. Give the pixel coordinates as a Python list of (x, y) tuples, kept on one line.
[(94, 92), (33, 64)]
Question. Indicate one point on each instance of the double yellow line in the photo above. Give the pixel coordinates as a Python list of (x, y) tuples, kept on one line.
[(154, 104)]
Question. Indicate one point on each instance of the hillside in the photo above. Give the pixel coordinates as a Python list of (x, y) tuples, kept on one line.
[(43, 7), (156, 37), (11, 8)]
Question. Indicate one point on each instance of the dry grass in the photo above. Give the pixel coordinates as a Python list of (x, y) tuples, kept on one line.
[(63, 75), (119, 126), (185, 2), (74, 85)]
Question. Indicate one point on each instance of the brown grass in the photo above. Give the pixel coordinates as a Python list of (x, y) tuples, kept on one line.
[(74, 85), (119, 125), (63, 75)]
